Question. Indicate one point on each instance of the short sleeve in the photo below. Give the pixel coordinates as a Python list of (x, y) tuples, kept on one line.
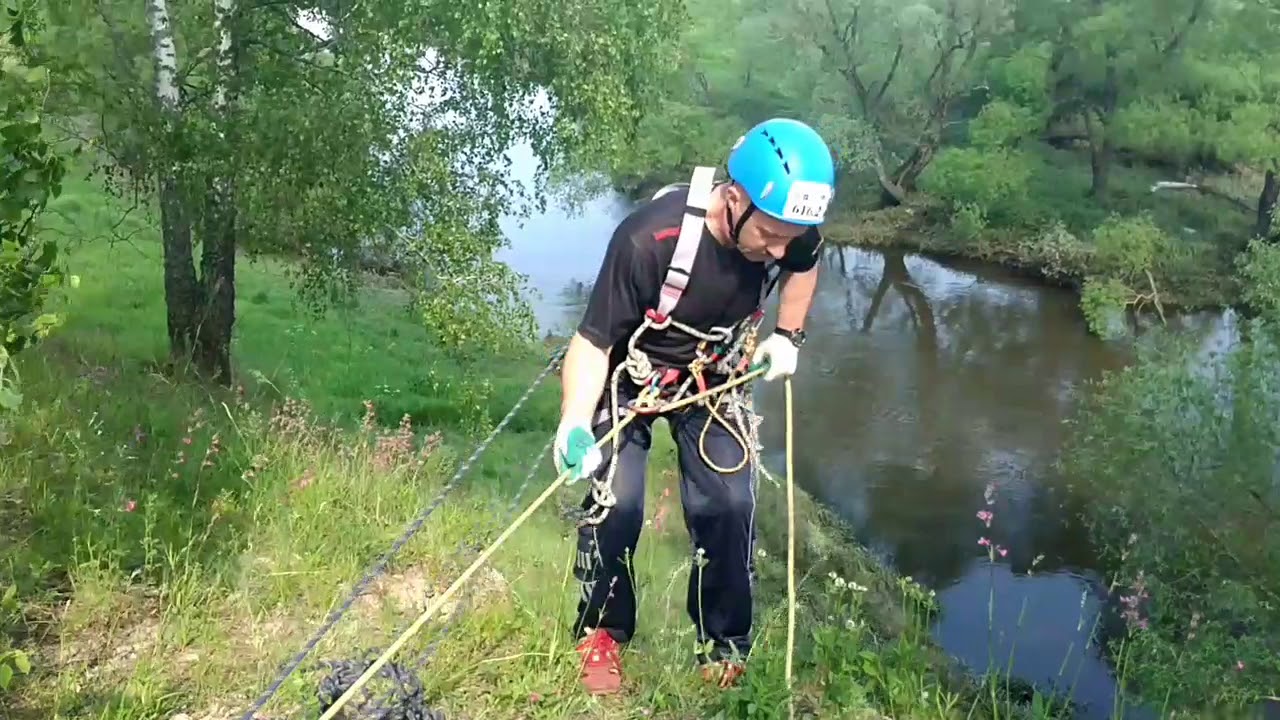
[(625, 287), (803, 252)]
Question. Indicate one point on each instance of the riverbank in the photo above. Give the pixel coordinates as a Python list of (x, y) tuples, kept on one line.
[(1192, 261), (172, 545), (1053, 255)]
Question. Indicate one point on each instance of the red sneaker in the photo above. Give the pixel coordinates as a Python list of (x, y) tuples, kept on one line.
[(601, 672), (723, 673)]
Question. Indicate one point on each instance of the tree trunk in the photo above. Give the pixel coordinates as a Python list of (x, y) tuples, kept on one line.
[(1099, 127), (218, 257), (212, 350), (907, 174), (1099, 153), (182, 294), (1100, 165), (1267, 200)]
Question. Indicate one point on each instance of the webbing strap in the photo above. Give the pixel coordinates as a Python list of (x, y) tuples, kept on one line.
[(695, 216)]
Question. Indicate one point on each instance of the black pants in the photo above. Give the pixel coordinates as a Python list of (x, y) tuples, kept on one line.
[(719, 511)]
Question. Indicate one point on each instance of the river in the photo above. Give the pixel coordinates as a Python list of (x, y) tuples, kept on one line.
[(922, 383)]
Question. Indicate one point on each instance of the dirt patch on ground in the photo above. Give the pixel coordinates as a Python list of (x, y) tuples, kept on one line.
[(111, 648), (411, 591)]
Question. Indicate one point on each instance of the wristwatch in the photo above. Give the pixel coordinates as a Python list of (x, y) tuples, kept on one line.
[(797, 337)]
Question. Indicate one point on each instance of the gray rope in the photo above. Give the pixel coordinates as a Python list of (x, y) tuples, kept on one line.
[(378, 569)]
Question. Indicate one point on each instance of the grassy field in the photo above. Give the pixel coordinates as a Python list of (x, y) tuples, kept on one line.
[(172, 545)]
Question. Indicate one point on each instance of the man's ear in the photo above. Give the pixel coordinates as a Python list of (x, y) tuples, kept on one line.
[(735, 194)]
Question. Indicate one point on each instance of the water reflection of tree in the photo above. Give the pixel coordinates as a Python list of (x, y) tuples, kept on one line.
[(984, 381), (895, 275), (912, 527)]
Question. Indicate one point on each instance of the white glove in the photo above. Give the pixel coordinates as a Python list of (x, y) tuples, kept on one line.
[(781, 353), (575, 450)]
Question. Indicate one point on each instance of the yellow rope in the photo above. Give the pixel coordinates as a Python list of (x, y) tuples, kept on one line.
[(713, 414), (791, 558), (440, 600)]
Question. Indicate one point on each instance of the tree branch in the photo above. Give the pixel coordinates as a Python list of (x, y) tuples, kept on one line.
[(888, 78), (1181, 34), (1203, 190)]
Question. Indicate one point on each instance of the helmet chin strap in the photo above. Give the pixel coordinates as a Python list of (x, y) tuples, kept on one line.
[(735, 229)]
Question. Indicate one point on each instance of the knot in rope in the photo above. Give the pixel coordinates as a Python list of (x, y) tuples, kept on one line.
[(639, 366)]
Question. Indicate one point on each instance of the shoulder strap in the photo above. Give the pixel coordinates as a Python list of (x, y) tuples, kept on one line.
[(695, 215)]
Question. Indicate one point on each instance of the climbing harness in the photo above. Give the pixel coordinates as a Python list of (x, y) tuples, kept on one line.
[(721, 351)]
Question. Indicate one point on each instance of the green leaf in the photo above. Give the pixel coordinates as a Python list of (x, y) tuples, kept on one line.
[(10, 399), (6, 675), (22, 662)]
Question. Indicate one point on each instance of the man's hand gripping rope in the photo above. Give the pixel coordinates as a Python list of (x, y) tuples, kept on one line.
[(440, 600)]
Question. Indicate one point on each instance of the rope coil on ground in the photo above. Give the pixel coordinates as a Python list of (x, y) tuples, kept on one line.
[(380, 567), (404, 701)]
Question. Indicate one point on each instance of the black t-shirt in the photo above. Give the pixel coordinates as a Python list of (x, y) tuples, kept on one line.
[(724, 286)]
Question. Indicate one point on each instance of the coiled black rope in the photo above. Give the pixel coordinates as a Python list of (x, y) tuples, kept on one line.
[(404, 701)]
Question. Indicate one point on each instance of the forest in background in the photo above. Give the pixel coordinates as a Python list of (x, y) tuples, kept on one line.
[(1129, 148)]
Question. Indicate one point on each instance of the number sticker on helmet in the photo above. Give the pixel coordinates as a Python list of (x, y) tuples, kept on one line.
[(807, 201)]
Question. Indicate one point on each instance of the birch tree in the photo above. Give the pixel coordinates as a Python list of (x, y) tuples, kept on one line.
[(308, 132)]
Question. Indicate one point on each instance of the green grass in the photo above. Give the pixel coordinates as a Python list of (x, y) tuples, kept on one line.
[(173, 544)]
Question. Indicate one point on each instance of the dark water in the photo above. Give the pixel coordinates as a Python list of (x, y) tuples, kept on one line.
[(921, 384)]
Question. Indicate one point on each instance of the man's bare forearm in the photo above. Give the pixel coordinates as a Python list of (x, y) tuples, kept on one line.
[(583, 376), (797, 295)]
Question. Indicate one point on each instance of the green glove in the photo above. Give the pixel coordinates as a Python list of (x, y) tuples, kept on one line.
[(575, 450)]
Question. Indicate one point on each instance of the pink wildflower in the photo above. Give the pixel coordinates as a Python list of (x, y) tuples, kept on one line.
[(984, 542), (986, 516), (1132, 603), (130, 505)]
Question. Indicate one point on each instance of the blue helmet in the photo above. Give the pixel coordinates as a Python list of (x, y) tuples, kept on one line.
[(786, 169)]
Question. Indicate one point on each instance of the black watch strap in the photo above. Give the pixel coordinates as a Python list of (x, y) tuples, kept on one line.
[(797, 337)]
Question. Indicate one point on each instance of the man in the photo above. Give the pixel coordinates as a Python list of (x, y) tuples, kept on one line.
[(781, 178)]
